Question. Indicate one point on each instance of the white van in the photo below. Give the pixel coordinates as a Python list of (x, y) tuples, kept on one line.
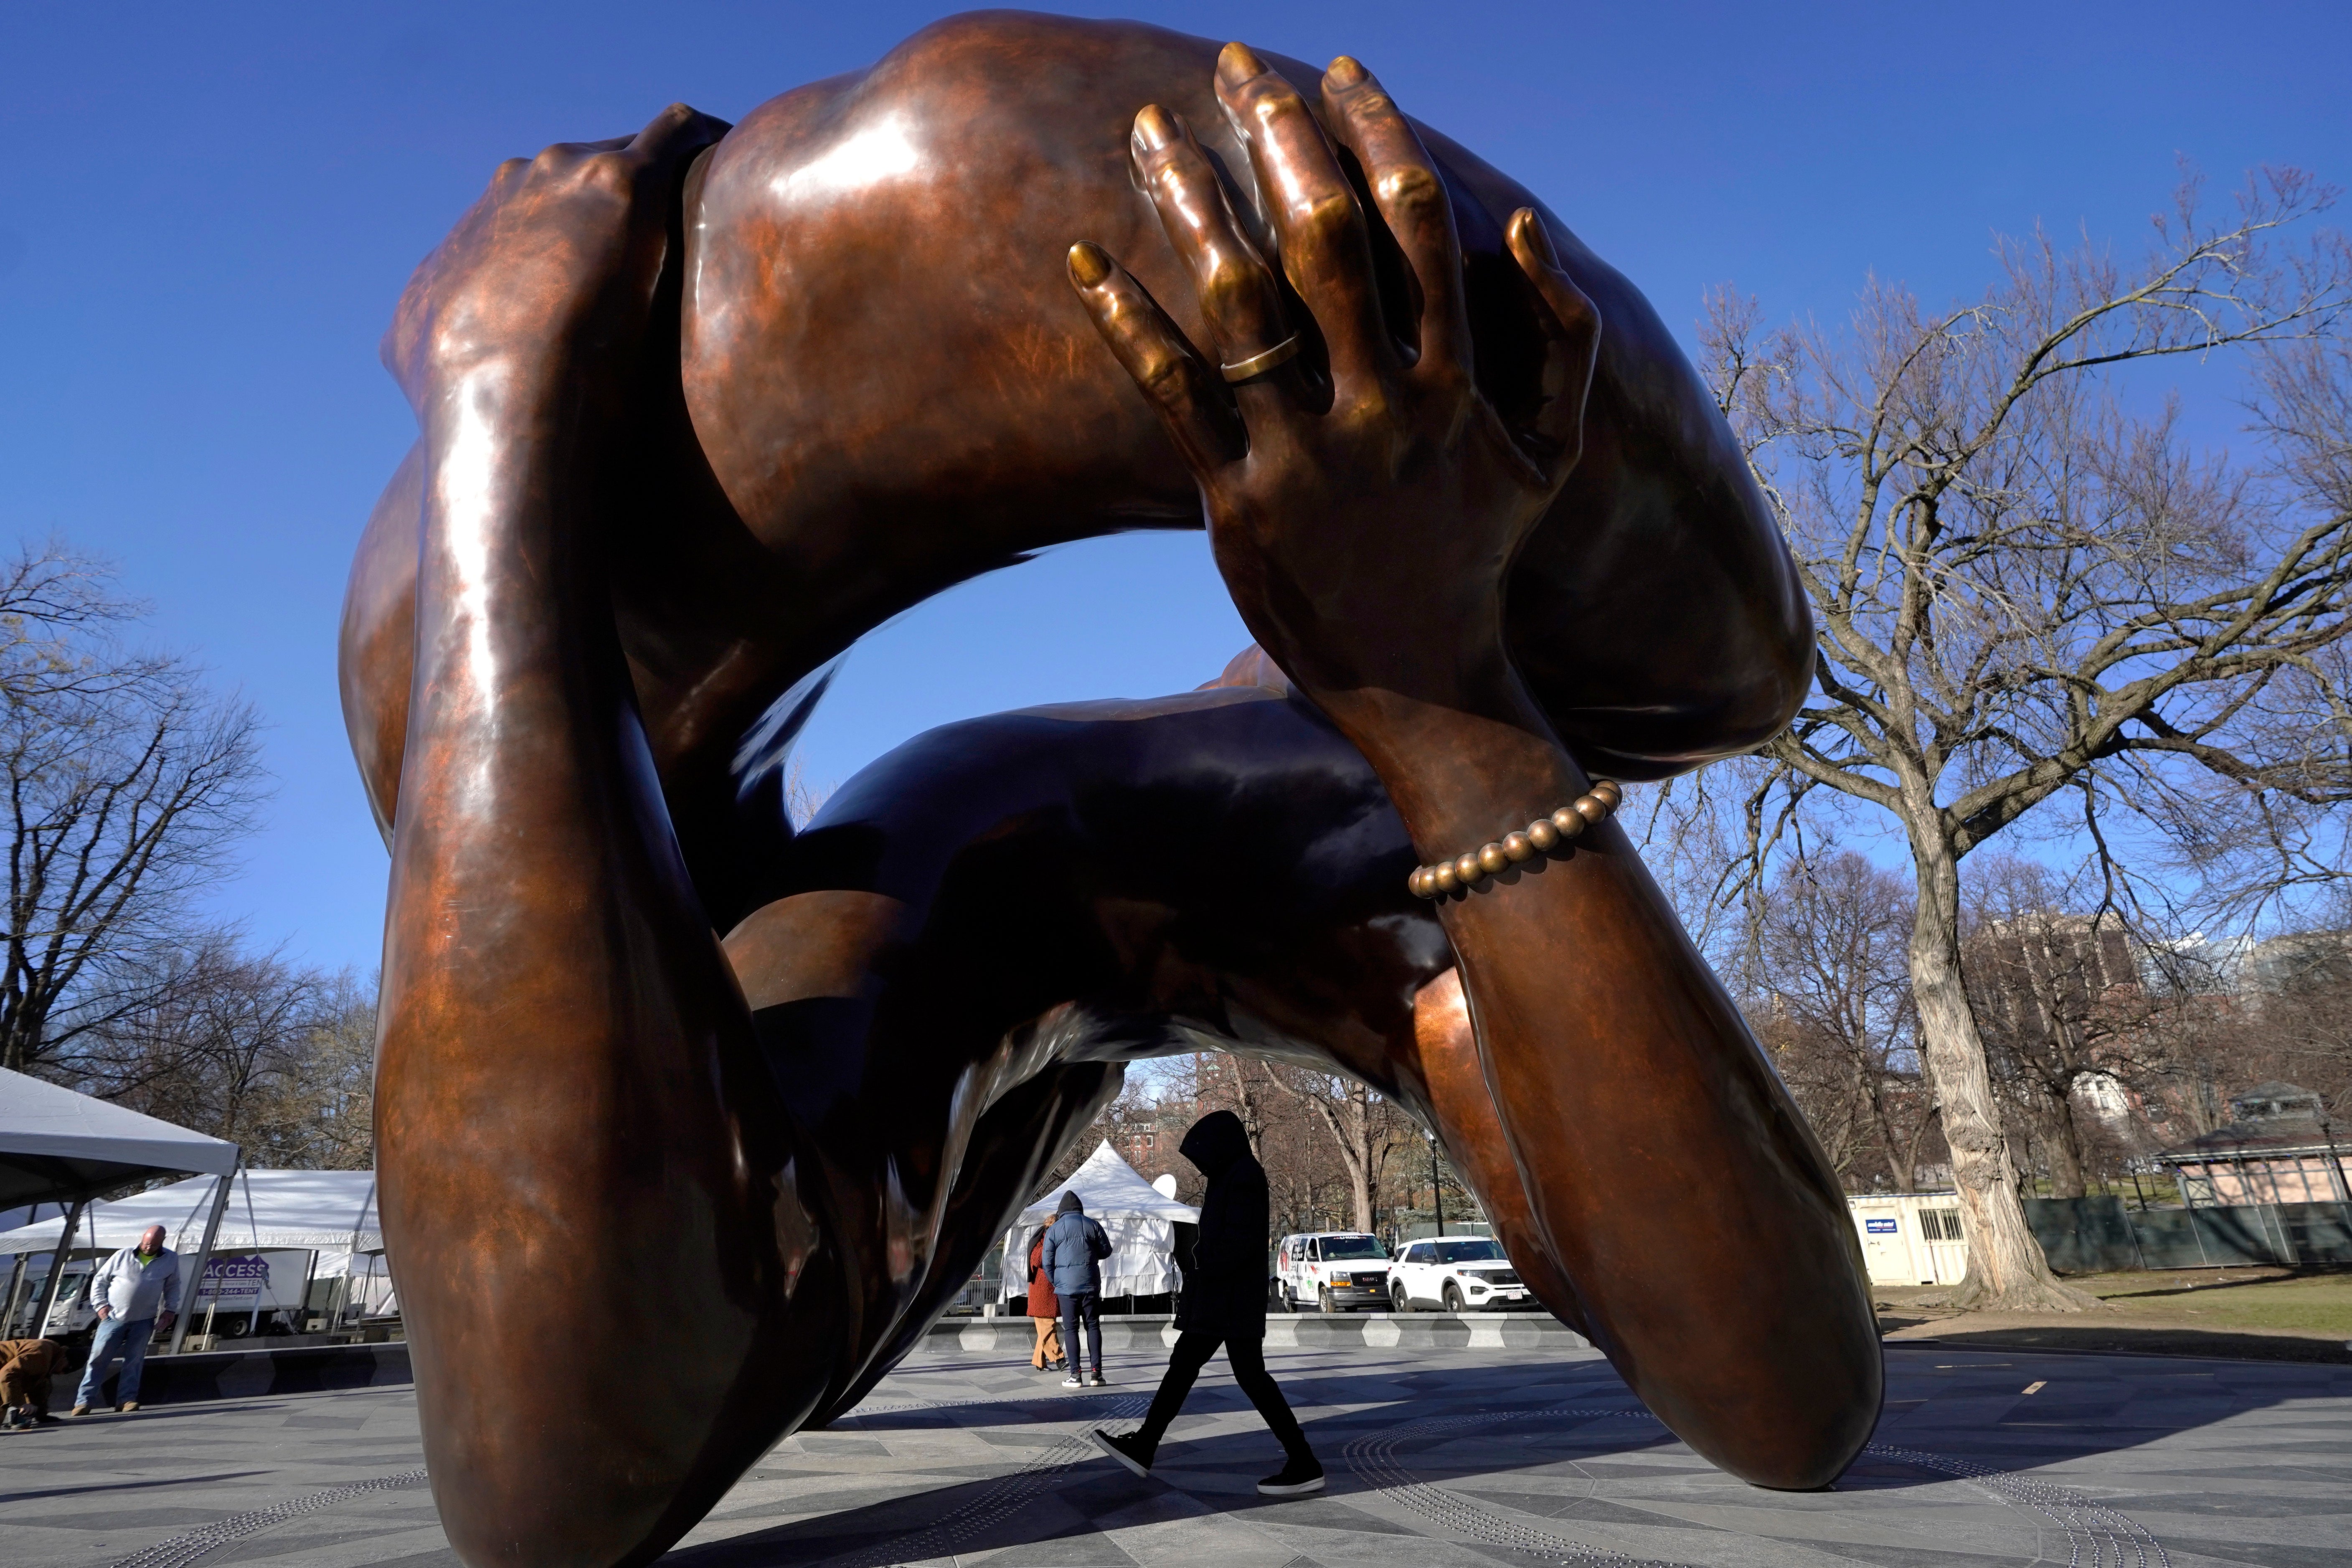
[(1331, 1271)]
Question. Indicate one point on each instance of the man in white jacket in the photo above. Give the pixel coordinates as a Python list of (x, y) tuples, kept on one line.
[(132, 1288)]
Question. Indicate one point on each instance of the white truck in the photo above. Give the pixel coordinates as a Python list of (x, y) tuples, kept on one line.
[(1456, 1274), (1331, 1271)]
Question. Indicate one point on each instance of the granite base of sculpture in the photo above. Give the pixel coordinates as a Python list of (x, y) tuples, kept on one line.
[(665, 1084)]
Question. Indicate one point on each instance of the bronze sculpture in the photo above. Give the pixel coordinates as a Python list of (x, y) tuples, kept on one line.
[(700, 407)]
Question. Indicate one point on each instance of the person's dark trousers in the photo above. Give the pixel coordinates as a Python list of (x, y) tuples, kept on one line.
[(1247, 1358), (1079, 1306)]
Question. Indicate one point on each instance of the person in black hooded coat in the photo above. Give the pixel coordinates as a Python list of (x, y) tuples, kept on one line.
[(1223, 1303)]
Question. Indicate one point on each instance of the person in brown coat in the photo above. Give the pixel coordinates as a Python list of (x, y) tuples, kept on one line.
[(25, 1368), (1046, 1308)]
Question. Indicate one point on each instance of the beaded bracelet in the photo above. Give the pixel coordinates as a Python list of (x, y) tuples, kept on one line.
[(1539, 837)]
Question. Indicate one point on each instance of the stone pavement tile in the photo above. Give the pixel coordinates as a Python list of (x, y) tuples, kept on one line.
[(2230, 1468), (1164, 1528), (121, 1518), (1910, 1556), (292, 1541), (1079, 1547), (2194, 1553), (2273, 1502)]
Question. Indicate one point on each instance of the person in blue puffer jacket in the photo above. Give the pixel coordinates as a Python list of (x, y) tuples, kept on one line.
[(1075, 1248)]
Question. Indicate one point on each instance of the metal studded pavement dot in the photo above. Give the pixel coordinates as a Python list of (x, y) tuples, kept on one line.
[(181, 1550)]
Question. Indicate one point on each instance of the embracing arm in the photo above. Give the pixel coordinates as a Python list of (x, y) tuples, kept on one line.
[(567, 1098), (1365, 504)]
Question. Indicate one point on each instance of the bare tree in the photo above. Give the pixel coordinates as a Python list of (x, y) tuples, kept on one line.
[(1364, 1128), (2026, 587), (2057, 997), (276, 1058), (2279, 1009), (1302, 1169), (52, 599), (126, 782), (1827, 989)]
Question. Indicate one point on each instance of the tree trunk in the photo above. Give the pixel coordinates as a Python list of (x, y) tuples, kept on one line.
[(1245, 1103), (2006, 1270), (1870, 1086), (22, 1034), (1898, 1159), (2065, 1146), (1907, 1171), (1350, 1134), (1360, 1170), (1360, 1198)]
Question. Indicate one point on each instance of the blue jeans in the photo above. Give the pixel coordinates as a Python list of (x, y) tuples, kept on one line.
[(1077, 1307), (115, 1338)]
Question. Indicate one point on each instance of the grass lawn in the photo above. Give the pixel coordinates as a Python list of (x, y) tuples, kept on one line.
[(2312, 1304), (2269, 1313)]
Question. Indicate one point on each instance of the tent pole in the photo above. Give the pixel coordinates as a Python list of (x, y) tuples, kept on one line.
[(189, 1283), (16, 1285), (58, 1269), (359, 1224), (301, 1313)]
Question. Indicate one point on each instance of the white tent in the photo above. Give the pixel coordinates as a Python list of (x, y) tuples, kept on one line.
[(316, 1211), (1140, 1218), (57, 1146)]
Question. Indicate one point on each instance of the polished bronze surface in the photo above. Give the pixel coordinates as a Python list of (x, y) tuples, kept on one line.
[(699, 407)]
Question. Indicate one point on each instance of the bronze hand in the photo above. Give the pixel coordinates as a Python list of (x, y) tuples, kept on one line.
[(1365, 524)]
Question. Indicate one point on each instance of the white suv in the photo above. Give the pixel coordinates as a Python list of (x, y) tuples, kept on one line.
[(1331, 1271), (1458, 1273)]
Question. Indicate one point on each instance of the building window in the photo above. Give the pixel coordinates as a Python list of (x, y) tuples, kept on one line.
[(1940, 1224)]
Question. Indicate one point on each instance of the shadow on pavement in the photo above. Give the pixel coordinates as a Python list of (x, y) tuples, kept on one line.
[(1990, 1418), (128, 1486)]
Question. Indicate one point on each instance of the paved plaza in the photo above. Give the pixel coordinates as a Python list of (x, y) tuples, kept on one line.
[(1983, 1459)]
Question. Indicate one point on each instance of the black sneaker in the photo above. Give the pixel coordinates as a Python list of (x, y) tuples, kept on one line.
[(1130, 1450), (1297, 1477)]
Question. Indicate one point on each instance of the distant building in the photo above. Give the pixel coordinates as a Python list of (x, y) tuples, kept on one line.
[(2241, 967), (2104, 1096), (2297, 962), (2279, 1149), (2039, 975)]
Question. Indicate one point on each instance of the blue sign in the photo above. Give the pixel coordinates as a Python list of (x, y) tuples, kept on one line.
[(1880, 1226)]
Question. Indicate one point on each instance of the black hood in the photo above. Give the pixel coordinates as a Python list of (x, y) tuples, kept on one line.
[(1215, 1142)]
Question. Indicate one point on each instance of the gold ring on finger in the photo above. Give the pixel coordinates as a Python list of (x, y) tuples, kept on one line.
[(1259, 363)]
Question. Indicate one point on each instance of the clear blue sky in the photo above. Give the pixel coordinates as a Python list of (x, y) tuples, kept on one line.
[(208, 211)]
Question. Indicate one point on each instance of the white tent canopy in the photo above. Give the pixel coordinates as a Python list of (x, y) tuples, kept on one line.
[(1140, 1219), (319, 1211), (57, 1146)]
